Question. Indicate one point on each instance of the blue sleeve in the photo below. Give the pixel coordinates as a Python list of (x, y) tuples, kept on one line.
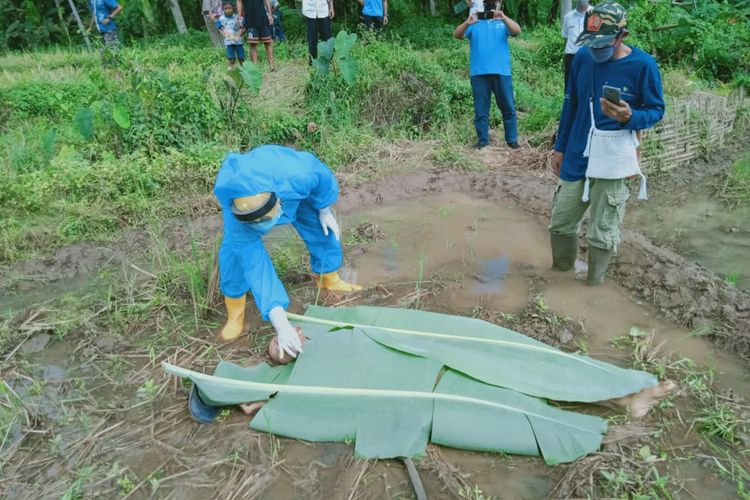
[(568, 110), (651, 107), (112, 4), (469, 30), (326, 191)]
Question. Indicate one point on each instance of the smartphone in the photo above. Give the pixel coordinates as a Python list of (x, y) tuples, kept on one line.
[(612, 94), (486, 15)]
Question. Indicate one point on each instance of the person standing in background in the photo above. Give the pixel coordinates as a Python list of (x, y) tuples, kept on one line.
[(318, 15), (278, 25), (572, 26), (103, 12), (489, 69), (374, 14), (212, 11), (258, 23)]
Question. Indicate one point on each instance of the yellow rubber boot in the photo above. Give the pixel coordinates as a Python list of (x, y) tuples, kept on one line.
[(235, 318), (333, 282)]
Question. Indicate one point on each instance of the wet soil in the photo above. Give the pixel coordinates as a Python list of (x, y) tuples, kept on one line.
[(465, 243)]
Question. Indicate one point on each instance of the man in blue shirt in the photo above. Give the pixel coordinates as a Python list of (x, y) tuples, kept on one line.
[(374, 14), (489, 62), (603, 60), (104, 12)]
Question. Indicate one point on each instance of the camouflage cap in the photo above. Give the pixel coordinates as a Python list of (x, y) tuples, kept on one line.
[(602, 24)]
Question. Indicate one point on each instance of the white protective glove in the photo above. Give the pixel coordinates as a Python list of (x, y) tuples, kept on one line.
[(328, 221), (286, 334)]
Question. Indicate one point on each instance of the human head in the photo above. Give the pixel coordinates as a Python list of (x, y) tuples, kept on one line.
[(228, 8), (582, 5), (256, 209), (604, 28)]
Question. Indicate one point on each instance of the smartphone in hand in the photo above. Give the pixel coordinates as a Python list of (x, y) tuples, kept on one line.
[(612, 94)]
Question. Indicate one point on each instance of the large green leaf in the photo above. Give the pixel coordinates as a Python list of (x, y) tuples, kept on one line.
[(252, 76), (325, 49), (348, 68), (344, 43), (488, 352), (121, 115), (84, 120), (322, 66), (345, 386)]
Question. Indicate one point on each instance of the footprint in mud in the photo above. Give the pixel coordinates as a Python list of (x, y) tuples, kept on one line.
[(492, 275)]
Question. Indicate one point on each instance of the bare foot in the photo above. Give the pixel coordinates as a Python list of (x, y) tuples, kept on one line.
[(251, 408), (640, 403), (277, 355)]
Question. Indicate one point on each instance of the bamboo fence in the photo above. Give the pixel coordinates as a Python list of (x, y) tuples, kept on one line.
[(690, 129)]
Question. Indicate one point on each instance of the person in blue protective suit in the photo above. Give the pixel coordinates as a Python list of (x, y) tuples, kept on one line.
[(259, 190)]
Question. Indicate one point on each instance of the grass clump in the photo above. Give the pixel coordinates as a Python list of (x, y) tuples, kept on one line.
[(737, 184)]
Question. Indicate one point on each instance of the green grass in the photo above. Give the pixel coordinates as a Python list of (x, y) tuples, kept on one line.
[(737, 183)]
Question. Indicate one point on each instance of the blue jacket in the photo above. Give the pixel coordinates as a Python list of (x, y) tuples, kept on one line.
[(636, 74), (295, 177)]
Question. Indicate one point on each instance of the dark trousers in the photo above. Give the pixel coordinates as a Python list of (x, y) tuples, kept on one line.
[(482, 87), (317, 29), (372, 21), (566, 64)]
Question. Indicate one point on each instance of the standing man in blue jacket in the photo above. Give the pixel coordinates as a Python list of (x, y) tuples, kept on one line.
[(489, 67), (603, 60), (259, 190)]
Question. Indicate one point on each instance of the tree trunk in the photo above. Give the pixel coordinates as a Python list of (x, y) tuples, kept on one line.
[(432, 8), (553, 10), (80, 24), (565, 7), (177, 14)]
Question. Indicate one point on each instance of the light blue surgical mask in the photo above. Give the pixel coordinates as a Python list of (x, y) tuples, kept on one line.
[(603, 54), (264, 226)]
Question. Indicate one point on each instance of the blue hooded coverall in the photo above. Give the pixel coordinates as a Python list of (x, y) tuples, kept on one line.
[(304, 185)]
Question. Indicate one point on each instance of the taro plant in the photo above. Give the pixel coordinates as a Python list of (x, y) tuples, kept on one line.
[(247, 75), (336, 53)]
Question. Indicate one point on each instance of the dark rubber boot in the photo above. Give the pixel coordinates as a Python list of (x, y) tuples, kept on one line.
[(564, 251), (598, 263)]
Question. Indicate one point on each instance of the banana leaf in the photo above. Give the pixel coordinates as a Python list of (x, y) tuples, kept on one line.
[(487, 352), (346, 387)]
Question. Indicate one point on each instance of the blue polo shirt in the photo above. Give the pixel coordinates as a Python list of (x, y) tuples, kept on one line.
[(489, 53), (636, 74), (101, 9), (373, 8)]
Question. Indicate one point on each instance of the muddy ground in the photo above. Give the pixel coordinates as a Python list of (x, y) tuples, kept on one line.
[(91, 414)]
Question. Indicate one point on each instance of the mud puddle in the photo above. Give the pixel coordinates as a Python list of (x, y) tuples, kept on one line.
[(701, 227)]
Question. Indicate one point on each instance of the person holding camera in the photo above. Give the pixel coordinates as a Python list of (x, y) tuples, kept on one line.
[(489, 68), (614, 91)]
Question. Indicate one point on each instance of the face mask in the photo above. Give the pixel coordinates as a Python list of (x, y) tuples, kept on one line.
[(266, 225), (603, 54)]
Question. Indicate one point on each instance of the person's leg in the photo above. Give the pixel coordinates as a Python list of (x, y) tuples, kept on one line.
[(507, 105), (266, 37), (240, 53), (230, 56), (480, 89), (217, 40), (326, 254), (326, 31), (608, 200), (278, 26), (111, 40), (368, 21), (378, 23), (312, 37), (253, 38), (565, 222)]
